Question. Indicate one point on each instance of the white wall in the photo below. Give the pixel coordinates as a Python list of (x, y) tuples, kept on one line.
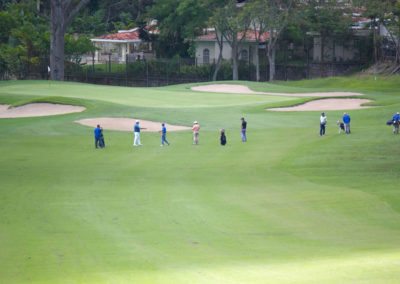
[(226, 51)]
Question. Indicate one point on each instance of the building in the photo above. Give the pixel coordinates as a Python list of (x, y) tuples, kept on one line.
[(123, 45), (207, 49)]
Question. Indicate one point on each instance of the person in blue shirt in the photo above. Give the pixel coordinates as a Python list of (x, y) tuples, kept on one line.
[(136, 132), (164, 134), (97, 136), (346, 121), (396, 123)]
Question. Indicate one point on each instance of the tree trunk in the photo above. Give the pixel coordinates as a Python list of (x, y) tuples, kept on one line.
[(219, 60), (62, 14), (322, 62), (235, 69), (217, 67), (271, 61), (375, 39), (57, 40), (257, 64)]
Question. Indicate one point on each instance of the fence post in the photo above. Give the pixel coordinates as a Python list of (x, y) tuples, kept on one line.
[(109, 62), (167, 73), (126, 69), (93, 62), (147, 73)]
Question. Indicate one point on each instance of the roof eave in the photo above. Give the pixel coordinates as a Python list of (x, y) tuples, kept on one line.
[(115, 40)]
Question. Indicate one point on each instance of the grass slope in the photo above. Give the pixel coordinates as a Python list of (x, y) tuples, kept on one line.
[(286, 207)]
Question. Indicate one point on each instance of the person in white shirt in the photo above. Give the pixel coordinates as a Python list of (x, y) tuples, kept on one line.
[(323, 119), (196, 129)]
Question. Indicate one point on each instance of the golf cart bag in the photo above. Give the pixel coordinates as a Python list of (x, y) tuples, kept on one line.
[(101, 142)]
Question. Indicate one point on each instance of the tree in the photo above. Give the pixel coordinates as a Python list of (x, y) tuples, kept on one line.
[(257, 11), (24, 39), (278, 13), (179, 22), (61, 16), (383, 13), (330, 21), (234, 29), (271, 16), (218, 24), (395, 29), (217, 21)]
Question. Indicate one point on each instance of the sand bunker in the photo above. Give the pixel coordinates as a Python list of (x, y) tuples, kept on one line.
[(239, 89), (37, 109), (126, 124), (327, 104)]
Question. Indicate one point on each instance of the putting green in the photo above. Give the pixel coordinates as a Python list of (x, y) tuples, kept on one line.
[(286, 207)]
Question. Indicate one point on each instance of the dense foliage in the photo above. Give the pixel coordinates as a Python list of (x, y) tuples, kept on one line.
[(25, 29)]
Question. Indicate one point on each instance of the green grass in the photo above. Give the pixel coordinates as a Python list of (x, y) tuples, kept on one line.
[(286, 207)]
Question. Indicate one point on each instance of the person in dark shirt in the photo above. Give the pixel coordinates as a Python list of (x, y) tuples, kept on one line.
[(223, 137), (136, 132), (243, 131)]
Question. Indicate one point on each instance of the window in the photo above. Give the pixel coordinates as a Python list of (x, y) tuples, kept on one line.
[(244, 55), (206, 56)]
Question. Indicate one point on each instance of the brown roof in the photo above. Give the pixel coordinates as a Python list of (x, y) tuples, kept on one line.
[(130, 35), (250, 36)]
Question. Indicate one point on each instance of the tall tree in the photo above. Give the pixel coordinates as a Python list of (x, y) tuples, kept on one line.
[(61, 16), (24, 38), (179, 22), (258, 11), (270, 16), (331, 21), (382, 13), (237, 24), (396, 29), (218, 24), (278, 13)]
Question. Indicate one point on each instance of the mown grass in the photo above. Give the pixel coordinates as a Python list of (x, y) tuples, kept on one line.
[(286, 207)]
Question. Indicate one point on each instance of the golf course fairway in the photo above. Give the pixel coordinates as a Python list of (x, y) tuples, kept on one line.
[(288, 206)]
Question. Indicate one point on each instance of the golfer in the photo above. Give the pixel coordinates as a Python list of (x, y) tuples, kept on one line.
[(396, 123), (222, 138), (323, 120), (97, 136), (346, 120), (164, 134), (136, 132), (243, 131), (196, 130)]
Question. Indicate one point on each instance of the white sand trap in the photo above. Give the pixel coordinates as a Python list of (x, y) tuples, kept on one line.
[(240, 89), (126, 124), (327, 104), (37, 109)]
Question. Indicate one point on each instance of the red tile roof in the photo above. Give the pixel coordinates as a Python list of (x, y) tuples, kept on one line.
[(250, 36), (129, 35)]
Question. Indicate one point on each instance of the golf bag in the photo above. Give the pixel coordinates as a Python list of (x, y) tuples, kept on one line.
[(102, 144)]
